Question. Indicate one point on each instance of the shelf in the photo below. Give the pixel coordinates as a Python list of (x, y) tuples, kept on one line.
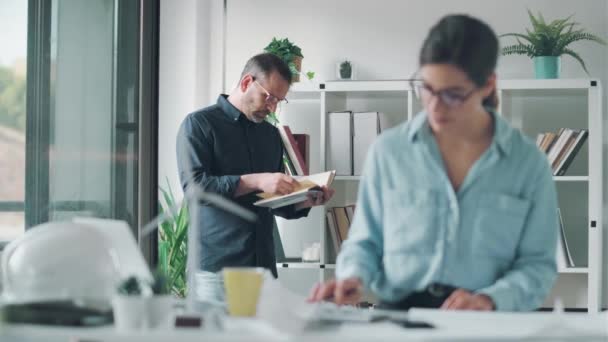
[(307, 92), (370, 86), (298, 265), (308, 265), (571, 178), (532, 84), (304, 87), (580, 270), (347, 178)]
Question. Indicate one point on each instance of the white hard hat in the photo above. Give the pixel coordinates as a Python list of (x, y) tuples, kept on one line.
[(59, 260)]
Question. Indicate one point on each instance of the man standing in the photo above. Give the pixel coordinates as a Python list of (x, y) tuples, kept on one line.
[(229, 149)]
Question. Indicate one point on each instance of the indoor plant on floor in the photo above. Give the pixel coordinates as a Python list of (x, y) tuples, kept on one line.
[(172, 245), (547, 42)]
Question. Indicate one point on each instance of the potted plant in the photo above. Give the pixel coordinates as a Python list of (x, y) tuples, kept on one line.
[(345, 70), (289, 52), (547, 42), (172, 246), (128, 304), (159, 305)]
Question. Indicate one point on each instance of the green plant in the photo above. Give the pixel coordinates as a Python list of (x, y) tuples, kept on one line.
[(272, 118), (287, 51), (160, 283), (130, 287), (549, 39), (346, 70), (173, 240)]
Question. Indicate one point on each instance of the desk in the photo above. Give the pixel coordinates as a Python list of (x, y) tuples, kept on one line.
[(451, 326)]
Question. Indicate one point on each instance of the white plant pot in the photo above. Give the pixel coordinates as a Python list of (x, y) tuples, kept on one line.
[(129, 312), (158, 311)]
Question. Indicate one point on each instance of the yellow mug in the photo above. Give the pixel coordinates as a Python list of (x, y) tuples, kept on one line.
[(242, 285)]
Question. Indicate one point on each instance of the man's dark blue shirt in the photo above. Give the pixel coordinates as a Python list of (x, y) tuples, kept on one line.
[(215, 146)]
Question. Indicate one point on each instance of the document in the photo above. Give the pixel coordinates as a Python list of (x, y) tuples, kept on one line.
[(307, 185)]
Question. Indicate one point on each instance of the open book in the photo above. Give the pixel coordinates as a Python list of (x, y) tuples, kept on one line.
[(307, 185)]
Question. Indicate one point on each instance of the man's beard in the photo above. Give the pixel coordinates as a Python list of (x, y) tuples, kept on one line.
[(258, 117)]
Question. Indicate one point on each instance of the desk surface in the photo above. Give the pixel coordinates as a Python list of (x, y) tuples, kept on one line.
[(465, 326)]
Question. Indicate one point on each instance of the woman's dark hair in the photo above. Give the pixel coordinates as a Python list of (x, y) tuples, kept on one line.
[(467, 43)]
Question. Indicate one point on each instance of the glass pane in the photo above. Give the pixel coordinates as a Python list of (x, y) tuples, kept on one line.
[(81, 111), (11, 225), (92, 130), (13, 35)]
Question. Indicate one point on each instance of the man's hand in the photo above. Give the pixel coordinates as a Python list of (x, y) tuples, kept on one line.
[(347, 291), (464, 300), (276, 183), (316, 199)]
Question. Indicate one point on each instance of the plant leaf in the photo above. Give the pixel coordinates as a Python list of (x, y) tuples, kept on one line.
[(577, 57), (518, 49), (519, 35)]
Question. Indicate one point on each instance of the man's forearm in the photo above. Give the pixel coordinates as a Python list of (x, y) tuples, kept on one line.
[(247, 184)]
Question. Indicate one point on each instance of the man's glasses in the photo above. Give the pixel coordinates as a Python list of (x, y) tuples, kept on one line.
[(450, 98), (271, 99)]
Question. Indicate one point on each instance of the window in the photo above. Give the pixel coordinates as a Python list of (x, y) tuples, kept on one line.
[(13, 34), (70, 132)]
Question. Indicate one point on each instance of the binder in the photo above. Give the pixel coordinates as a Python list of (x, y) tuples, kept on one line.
[(339, 147), (366, 128)]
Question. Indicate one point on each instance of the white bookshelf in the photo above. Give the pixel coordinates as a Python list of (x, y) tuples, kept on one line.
[(537, 106), (582, 97), (306, 112)]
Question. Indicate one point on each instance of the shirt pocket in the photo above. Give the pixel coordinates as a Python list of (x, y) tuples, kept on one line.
[(411, 221), (498, 225)]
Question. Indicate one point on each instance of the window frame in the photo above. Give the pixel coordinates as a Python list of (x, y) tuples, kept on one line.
[(145, 124)]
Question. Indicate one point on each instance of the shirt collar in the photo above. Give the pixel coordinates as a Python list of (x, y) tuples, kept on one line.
[(230, 110), (502, 131)]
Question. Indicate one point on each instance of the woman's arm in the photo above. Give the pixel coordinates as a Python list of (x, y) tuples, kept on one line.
[(533, 272)]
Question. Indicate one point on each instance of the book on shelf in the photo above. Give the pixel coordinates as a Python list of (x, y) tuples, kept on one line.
[(562, 147), (342, 221), (339, 220), (303, 145), (333, 230), (573, 149), (563, 255), (289, 168), (307, 185), (293, 153), (350, 212)]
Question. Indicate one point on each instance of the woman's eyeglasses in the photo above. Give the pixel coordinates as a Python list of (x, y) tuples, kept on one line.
[(450, 98)]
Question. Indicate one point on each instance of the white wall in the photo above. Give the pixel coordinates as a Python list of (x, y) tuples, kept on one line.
[(381, 37), (190, 65)]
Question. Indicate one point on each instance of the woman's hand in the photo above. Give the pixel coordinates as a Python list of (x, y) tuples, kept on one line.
[(346, 291), (464, 300)]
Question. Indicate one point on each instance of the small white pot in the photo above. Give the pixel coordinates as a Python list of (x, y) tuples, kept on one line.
[(158, 311), (129, 312)]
